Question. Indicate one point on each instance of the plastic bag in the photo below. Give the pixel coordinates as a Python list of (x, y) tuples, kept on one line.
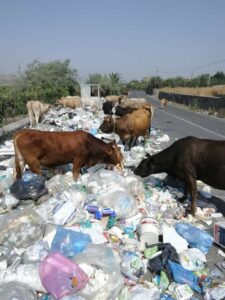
[(16, 290), (192, 259), (182, 276), (69, 242), (132, 265), (194, 236), (21, 228), (218, 293), (36, 253), (8, 201), (30, 186), (6, 179), (118, 199), (102, 258), (58, 182), (60, 276), (25, 274)]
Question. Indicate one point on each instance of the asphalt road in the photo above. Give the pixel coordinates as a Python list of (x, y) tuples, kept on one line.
[(179, 122)]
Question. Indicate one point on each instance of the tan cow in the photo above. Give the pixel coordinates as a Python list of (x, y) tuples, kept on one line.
[(115, 98), (36, 110), (163, 102), (134, 102), (70, 101)]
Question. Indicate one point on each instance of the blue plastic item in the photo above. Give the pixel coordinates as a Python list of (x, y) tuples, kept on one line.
[(166, 297), (99, 213), (182, 276), (70, 242), (195, 237)]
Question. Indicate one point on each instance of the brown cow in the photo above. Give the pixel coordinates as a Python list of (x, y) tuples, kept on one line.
[(70, 101), (49, 149), (36, 110), (163, 102), (130, 126)]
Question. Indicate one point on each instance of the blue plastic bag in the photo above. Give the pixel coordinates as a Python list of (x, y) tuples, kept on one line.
[(30, 186), (69, 242), (182, 276), (195, 237)]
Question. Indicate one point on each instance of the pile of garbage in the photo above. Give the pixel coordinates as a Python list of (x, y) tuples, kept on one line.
[(109, 235)]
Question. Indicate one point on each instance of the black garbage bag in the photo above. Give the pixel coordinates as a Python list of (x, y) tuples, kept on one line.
[(30, 186), (159, 263)]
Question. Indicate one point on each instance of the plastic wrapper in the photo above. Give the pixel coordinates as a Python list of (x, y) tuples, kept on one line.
[(21, 228), (25, 274), (132, 265), (61, 276), (69, 242), (36, 253), (195, 237), (139, 292), (17, 291), (101, 258), (192, 259), (30, 186), (70, 200)]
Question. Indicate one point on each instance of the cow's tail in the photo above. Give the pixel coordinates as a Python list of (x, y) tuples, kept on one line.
[(152, 111), (17, 172)]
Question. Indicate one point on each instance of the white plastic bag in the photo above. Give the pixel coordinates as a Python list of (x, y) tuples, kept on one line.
[(192, 259), (120, 200), (108, 270), (21, 228)]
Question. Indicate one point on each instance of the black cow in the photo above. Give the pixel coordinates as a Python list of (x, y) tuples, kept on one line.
[(119, 110), (189, 159)]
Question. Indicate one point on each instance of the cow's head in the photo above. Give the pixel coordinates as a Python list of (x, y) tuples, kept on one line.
[(107, 125), (115, 155), (46, 107), (146, 166)]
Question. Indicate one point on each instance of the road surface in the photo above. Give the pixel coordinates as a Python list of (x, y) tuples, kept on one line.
[(179, 122)]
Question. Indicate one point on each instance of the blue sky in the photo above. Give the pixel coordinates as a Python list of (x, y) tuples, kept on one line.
[(131, 37)]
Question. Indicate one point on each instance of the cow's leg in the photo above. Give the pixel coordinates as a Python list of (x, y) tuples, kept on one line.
[(181, 200), (192, 187), (31, 117), (77, 165), (37, 115), (130, 142), (34, 165)]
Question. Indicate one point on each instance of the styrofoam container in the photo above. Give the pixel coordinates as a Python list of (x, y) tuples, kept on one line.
[(149, 232)]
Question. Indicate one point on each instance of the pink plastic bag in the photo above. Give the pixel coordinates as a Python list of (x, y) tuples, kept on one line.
[(60, 276)]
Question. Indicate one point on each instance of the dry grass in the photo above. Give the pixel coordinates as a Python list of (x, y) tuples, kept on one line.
[(214, 91)]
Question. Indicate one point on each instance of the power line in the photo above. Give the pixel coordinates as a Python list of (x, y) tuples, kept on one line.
[(193, 69)]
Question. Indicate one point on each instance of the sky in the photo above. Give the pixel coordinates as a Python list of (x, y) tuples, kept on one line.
[(135, 38)]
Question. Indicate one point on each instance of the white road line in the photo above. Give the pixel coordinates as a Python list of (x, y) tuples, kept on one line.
[(193, 124)]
